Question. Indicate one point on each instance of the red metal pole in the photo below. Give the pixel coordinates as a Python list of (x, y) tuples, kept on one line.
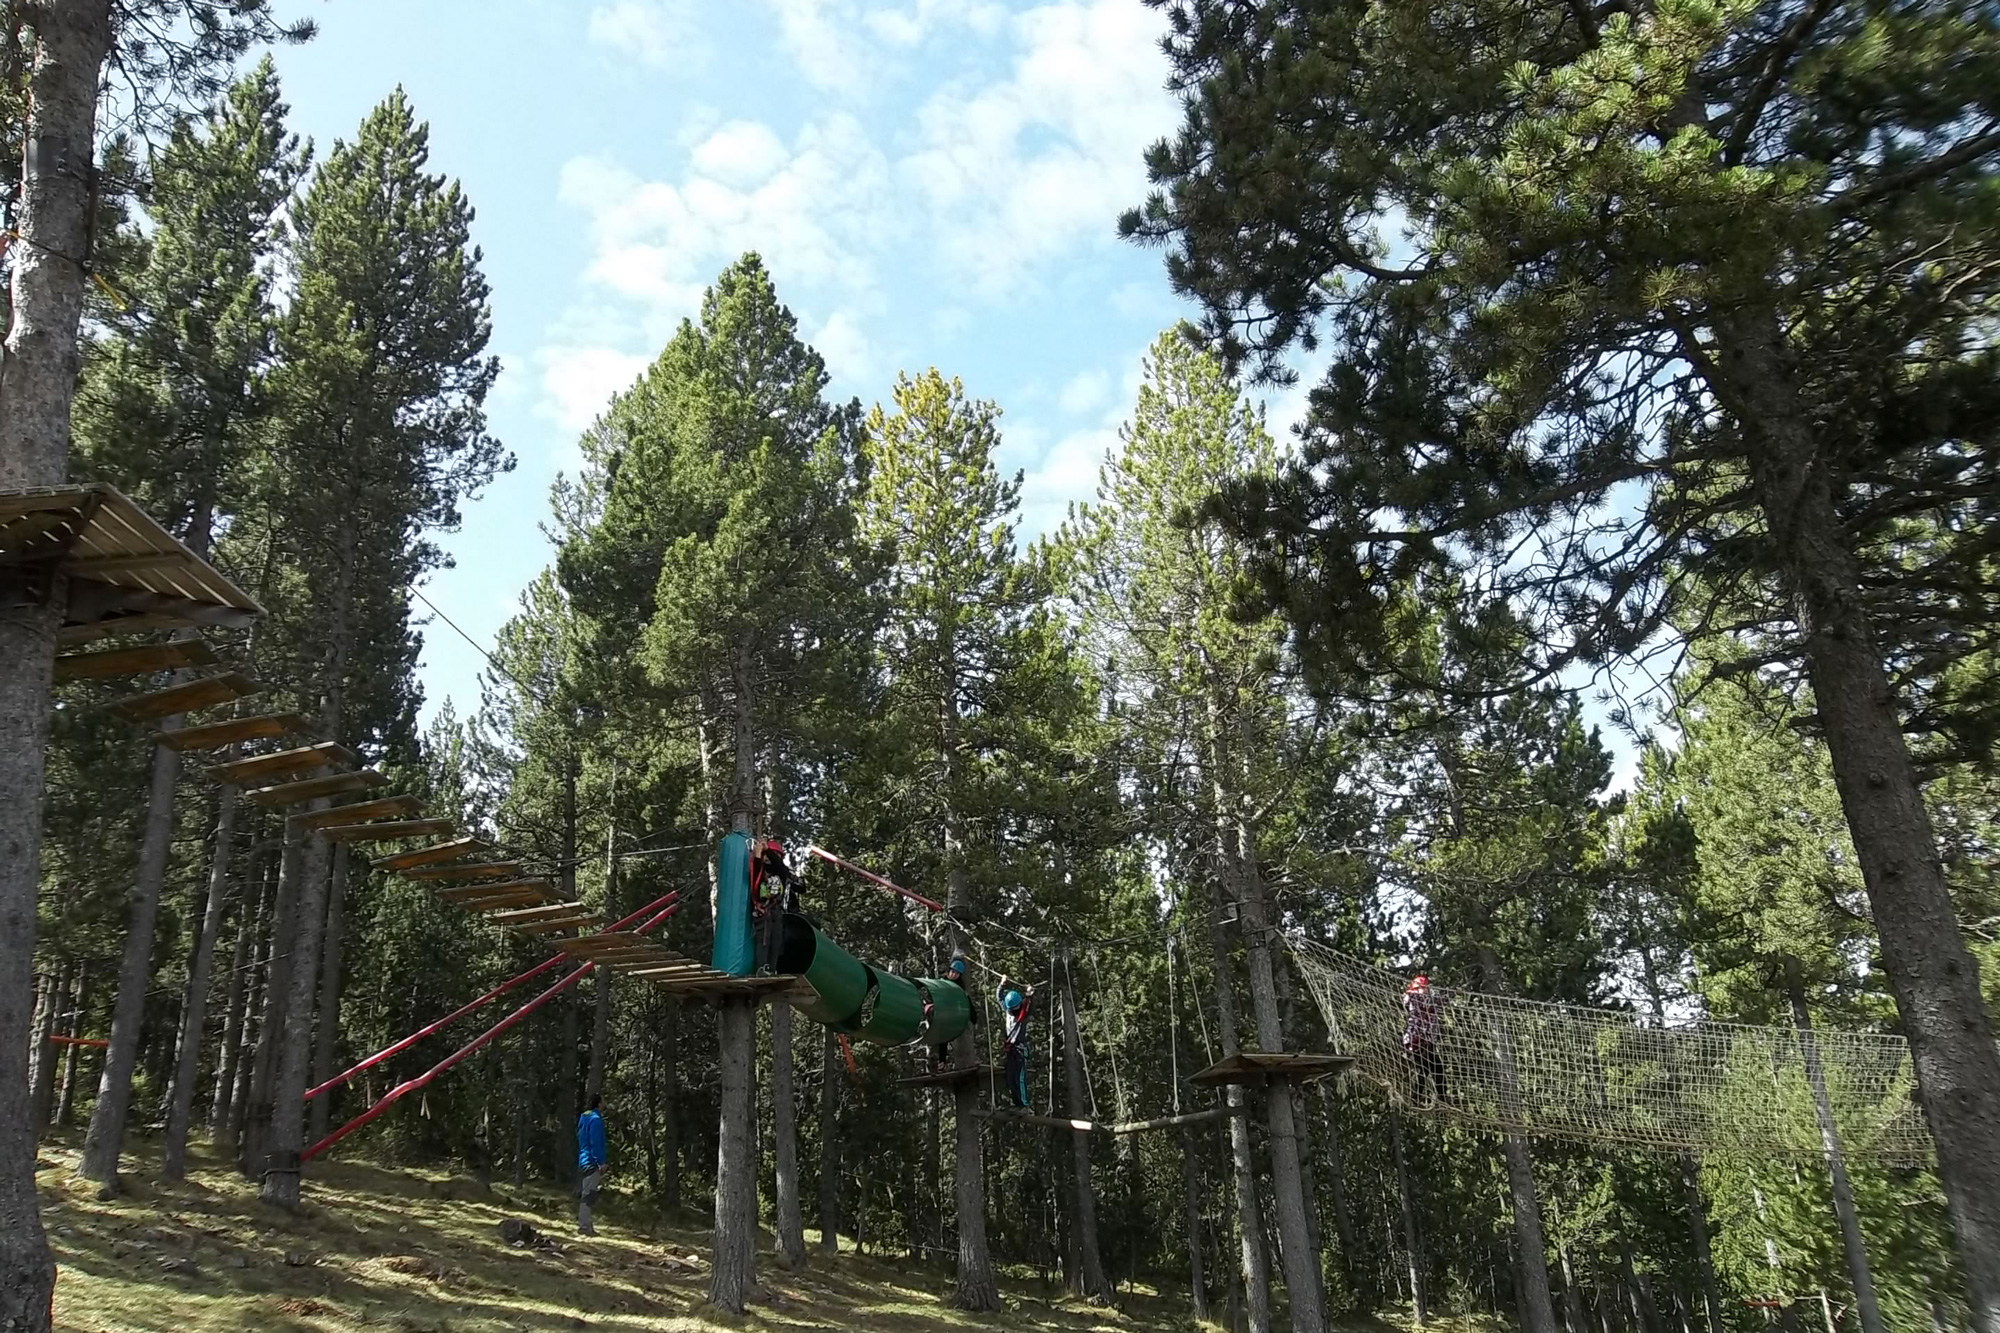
[(470, 1048), (874, 878), (387, 1051)]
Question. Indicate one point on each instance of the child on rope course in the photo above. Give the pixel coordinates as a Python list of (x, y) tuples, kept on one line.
[(1014, 1008), (589, 1164), (941, 1055), (767, 906), (1422, 1028)]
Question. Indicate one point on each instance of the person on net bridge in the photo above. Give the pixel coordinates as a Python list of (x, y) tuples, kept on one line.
[(1423, 1026), (1014, 1005), (941, 1054), (589, 1164)]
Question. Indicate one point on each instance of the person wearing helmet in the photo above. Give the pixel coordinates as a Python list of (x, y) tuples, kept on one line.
[(768, 872), (1423, 1025), (1014, 1005), (941, 1054)]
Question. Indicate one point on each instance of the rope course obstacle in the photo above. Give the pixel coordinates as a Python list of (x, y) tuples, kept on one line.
[(1596, 1075)]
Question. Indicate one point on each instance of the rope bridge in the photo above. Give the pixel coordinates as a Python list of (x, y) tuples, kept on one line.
[(1571, 1072)]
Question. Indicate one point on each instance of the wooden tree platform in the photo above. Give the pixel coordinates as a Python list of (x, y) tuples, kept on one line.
[(231, 731), (380, 807), (265, 768), (547, 919), (384, 830), (500, 894), (187, 697), (1257, 1069), (947, 1078), (455, 871), (1008, 1113), (142, 660), (423, 856), (311, 789)]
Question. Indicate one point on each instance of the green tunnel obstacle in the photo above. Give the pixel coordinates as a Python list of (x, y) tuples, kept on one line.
[(851, 997)]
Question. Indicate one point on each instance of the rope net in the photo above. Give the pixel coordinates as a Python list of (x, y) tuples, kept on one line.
[(1596, 1075)]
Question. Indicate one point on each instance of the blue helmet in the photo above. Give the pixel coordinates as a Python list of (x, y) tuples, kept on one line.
[(1013, 1001)]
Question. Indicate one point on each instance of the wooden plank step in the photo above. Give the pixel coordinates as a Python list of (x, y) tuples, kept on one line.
[(455, 871), (467, 895), (503, 902), (379, 807), (545, 912), (607, 940), (71, 635), (282, 763), (137, 661), (382, 830), (186, 697), (311, 789), (423, 856), (233, 731)]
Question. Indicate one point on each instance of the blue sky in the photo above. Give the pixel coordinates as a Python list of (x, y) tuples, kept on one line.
[(932, 182)]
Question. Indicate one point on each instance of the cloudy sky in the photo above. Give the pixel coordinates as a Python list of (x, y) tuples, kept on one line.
[(932, 182)]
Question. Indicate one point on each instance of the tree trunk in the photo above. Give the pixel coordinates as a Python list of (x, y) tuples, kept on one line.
[(734, 1262), (785, 1148), (1090, 1271), (829, 1143), (1646, 1314), (1336, 1187), (255, 1111), (1413, 1244), (1933, 975), (1852, 1244), (42, 1096), (670, 1113), (1573, 1311), (1704, 1255), (79, 1021), (567, 1109), (249, 928), (326, 1033), (1191, 1205), (194, 1014), (294, 1063), (1537, 1309), (106, 1137), (1256, 1263)]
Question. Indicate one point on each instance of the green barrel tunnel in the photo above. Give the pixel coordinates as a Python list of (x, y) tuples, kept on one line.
[(851, 997)]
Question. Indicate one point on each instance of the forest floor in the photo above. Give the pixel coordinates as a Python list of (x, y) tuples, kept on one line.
[(417, 1251)]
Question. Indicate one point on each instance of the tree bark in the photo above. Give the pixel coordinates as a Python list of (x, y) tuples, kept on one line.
[(255, 1109), (249, 928), (79, 1020), (1852, 1244), (1537, 1308), (294, 1062), (733, 1275), (1930, 970), (1090, 1269), (670, 1114), (105, 1139), (1413, 1244), (1256, 1263), (42, 1095), (1336, 1186), (326, 1032), (1191, 1207), (785, 1148), (194, 1013), (1704, 1254), (829, 1143)]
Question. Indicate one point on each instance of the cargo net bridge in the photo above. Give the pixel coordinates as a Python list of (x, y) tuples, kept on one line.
[(1598, 1075)]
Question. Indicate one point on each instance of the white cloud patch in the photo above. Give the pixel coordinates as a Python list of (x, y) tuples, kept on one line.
[(821, 37), (849, 354), (577, 382), (1061, 475), (743, 152), (654, 32), (1085, 391)]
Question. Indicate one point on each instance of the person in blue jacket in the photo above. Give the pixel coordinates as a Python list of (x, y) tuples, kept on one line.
[(1014, 1005), (589, 1164)]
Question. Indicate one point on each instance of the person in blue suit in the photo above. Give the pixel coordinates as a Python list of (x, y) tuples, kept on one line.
[(1014, 1007), (589, 1164)]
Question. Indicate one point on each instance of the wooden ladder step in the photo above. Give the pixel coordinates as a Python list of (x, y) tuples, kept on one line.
[(267, 768), (382, 830), (379, 807), (453, 870), (311, 789), (138, 661), (187, 697), (232, 731), (423, 856)]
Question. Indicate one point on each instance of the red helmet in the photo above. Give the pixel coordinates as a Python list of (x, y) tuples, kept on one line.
[(1421, 983)]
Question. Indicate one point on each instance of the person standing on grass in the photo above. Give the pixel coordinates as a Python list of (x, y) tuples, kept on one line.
[(589, 1163)]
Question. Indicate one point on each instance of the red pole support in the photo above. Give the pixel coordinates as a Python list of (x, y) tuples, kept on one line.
[(388, 1051), (874, 878), (470, 1048)]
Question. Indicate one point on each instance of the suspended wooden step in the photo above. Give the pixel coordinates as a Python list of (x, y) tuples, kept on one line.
[(382, 807), (386, 830), (142, 660), (233, 731), (947, 1078), (498, 897), (1255, 1069), (187, 697), (311, 789), (423, 856), (282, 764), (1011, 1113), (456, 871), (547, 918), (126, 572)]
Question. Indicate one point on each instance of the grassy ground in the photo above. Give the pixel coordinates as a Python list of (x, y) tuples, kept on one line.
[(420, 1252)]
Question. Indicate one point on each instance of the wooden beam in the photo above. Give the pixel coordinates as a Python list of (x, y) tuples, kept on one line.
[(216, 735), (311, 789), (282, 763), (1254, 1069), (94, 565), (381, 807), (466, 895), (544, 912), (140, 660), (423, 856), (1108, 1127), (137, 623), (455, 871), (387, 830), (186, 697)]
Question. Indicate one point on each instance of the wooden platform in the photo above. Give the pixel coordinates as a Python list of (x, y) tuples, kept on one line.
[(311, 789), (282, 764), (126, 572), (547, 919), (949, 1078), (1018, 1116), (380, 807), (1256, 1069), (232, 731), (500, 894), (452, 871), (382, 830), (187, 697), (423, 856), (142, 660)]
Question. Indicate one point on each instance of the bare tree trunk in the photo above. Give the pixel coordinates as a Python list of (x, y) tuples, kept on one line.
[(1256, 1263), (1573, 1311), (42, 1096), (288, 1089), (255, 1109), (733, 1275), (1852, 1244), (1090, 1269), (1538, 1313), (1704, 1256), (1336, 1184), (326, 1033), (79, 1019), (194, 1014), (785, 1133), (670, 1114), (1413, 1244), (249, 928), (1191, 1206), (829, 1143), (105, 1139)]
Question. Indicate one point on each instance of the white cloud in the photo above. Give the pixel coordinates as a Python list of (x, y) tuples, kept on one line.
[(655, 32), (577, 382), (1086, 390), (1064, 473), (821, 38), (849, 354), (743, 152)]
